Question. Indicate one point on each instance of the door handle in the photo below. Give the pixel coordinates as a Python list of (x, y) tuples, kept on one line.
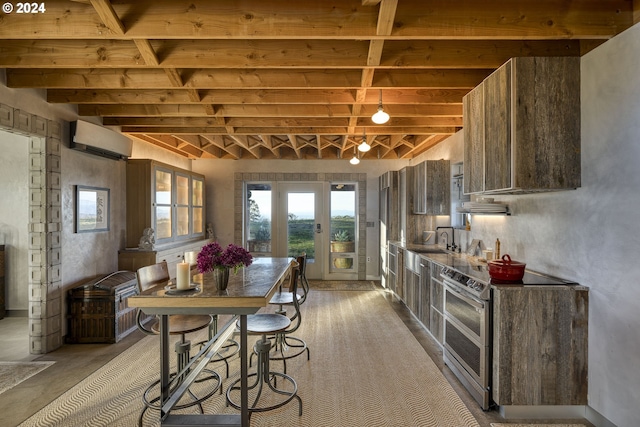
[(318, 228)]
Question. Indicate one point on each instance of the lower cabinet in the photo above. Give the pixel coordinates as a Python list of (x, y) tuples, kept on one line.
[(436, 324), (425, 293), (540, 345)]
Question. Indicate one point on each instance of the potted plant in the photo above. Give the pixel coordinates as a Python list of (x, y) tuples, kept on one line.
[(342, 242), (212, 258)]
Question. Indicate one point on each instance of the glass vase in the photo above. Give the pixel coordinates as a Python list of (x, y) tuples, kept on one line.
[(221, 276)]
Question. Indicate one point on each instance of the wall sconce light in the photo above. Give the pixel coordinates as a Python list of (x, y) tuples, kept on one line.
[(380, 117), (364, 147)]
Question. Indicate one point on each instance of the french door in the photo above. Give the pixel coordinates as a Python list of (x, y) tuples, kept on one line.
[(300, 224)]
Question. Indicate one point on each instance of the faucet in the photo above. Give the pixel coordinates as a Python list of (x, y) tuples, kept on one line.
[(453, 245)]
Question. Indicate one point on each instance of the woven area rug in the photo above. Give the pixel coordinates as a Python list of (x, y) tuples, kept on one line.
[(366, 369), (13, 373), (341, 285), (535, 425)]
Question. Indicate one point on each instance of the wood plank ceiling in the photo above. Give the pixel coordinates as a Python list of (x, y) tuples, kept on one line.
[(274, 79)]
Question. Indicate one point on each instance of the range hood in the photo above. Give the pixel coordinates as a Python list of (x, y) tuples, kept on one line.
[(98, 140)]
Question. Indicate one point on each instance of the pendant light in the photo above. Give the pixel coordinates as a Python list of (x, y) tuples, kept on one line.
[(354, 160), (380, 117), (364, 147)]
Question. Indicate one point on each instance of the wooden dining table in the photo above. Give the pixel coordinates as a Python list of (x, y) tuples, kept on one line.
[(249, 290)]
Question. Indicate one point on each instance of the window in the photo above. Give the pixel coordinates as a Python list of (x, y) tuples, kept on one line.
[(258, 236)]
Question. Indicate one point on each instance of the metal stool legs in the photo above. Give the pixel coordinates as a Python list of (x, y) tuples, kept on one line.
[(183, 349), (265, 381)]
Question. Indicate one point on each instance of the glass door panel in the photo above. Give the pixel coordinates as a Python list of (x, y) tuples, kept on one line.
[(342, 257), (182, 205), (197, 203), (258, 225), (300, 224), (162, 203)]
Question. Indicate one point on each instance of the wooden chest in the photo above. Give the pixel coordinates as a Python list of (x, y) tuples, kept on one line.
[(98, 309)]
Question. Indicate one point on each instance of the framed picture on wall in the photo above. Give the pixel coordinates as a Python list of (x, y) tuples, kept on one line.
[(92, 209)]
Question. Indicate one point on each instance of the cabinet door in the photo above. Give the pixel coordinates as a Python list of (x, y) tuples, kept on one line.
[(163, 200), (425, 293), (548, 93), (438, 187), (473, 122), (497, 129), (183, 184), (419, 182), (197, 203)]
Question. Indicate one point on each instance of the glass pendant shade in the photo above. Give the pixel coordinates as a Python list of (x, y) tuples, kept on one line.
[(364, 147), (354, 160), (380, 117)]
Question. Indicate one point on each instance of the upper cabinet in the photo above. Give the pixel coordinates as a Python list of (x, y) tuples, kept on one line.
[(168, 199), (431, 182), (522, 128)]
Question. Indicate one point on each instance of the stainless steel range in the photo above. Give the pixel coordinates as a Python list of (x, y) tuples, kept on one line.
[(467, 332)]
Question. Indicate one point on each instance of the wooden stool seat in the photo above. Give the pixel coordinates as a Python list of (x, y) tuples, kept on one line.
[(284, 298), (267, 323), (183, 324)]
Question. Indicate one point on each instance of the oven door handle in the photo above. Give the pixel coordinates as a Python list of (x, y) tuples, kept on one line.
[(463, 295)]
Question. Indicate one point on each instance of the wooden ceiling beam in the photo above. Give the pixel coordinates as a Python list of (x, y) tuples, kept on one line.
[(233, 151), (277, 122), (264, 97), (276, 53), (462, 20), (196, 110), (288, 131)]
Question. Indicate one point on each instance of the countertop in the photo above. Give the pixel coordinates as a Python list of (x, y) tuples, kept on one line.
[(476, 268)]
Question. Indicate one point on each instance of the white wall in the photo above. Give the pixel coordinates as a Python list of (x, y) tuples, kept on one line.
[(591, 235), (14, 188)]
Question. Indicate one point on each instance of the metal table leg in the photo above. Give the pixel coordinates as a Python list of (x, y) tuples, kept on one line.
[(244, 372)]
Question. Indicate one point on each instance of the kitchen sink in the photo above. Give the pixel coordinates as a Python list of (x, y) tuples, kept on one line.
[(429, 250)]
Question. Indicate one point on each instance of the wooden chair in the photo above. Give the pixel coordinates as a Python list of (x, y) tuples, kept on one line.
[(179, 324)]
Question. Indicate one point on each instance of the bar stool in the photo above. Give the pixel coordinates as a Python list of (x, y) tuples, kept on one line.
[(302, 263), (231, 346), (285, 345), (181, 325), (267, 324)]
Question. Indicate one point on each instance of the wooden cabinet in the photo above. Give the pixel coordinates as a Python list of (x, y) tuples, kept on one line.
[(3, 307), (540, 345), (392, 276), (473, 123), (436, 319), (133, 259), (431, 195), (425, 293), (168, 199), (522, 128)]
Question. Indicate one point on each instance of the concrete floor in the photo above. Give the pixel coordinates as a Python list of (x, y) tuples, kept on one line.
[(76, 362)]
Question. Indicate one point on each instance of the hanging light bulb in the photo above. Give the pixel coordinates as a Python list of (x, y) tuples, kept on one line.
[(355, 160), (380, 116), (364, 147)]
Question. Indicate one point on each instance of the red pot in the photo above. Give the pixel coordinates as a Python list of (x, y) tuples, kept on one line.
[(506, 270)]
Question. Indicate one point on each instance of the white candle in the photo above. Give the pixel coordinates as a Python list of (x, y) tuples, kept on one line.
[(182, 276)]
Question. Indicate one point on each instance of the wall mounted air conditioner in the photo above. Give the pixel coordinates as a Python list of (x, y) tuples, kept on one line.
[(98, 140)]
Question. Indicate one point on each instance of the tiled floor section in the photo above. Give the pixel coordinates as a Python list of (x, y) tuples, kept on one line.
[(75, 362)]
